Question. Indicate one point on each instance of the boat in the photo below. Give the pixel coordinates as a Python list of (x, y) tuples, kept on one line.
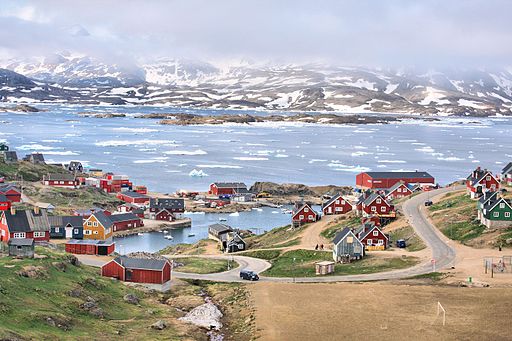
[(191, 234), (165, 231), (223, 219), (140, 234), (169, 237)]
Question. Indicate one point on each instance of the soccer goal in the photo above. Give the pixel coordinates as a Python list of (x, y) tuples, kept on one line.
[(440, 310)]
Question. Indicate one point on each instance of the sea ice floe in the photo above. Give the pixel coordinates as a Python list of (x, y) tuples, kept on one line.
[(219, 166), (197, 173), (186, 152), (119, 143), (247, 158)]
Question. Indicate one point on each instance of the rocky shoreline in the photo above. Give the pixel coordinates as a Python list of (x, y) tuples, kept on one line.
[(20, 108)]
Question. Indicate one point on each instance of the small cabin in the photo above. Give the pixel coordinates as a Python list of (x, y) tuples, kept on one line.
[(23, 247), (138, 270), (324, 268), (90, 247)]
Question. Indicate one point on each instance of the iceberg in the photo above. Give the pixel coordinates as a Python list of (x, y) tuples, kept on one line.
[(197, 173)]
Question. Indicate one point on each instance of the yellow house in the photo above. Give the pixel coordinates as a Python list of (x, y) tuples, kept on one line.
[(98, 226)]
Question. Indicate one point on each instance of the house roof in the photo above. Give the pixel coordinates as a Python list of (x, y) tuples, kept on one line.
[(44, 205), (10, 155), (507, 169), (90, 242), (3, 198), (487, 196), (491, 204), (7, 187), (140, 263), (220, 228), (115, 218), (371, 198), (236, 238), (299, 206), (170, 203), (399, 175), (102, 218), (396, 186), (341, 235), (36, 157), (230, 185), (368, 230), (63, 221), (133, 194), (330, 201), (27, 221), (21, 241), (60, 177)]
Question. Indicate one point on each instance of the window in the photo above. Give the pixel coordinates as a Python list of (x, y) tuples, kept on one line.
[(39, 234), (19, 235), (301, 217), (399, 190), (380, 242), (374, 209), (369, 242), (87, 232), (61, 182), (57, 230), (496, 214), (507, 214), (337, 201), (502, 205), (375, 233), (306, 209), (338, 209), (488, 178), (343, 202), (383, 209), (311, 217), (89, 223), (129, 225), (76, 231), (95, 224), (95, 232), (379, 201)]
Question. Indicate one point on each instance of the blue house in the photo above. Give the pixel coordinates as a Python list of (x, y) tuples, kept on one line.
[(70, 227)]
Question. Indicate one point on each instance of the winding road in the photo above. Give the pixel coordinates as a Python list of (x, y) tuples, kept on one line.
[(414, 211)]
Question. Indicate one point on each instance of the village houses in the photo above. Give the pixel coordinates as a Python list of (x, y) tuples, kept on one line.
[(481, 181), (21, 224), (336, 205), (303, 213), (347, 247), (506, 174), (61, 180)]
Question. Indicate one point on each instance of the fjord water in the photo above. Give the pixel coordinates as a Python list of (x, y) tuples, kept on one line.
[(163, 156)]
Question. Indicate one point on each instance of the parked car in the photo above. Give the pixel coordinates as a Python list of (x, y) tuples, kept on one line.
[(428, 203), (249, 275), (401, 243)]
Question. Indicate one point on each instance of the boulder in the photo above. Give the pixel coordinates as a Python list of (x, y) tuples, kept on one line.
[(130, 298), (61, 266), (31, 271), (159, 325), (73, 260), (77, 292)]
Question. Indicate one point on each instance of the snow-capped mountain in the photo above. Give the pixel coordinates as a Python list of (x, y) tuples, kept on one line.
[(81, 79)]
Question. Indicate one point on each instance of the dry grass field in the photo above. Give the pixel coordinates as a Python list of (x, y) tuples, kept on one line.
[(380, 311)]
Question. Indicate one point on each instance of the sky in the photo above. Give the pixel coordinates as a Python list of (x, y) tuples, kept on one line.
[(402, 33)]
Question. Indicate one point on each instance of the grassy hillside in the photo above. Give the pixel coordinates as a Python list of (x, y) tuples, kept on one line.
[(50, 306), (27, 170), (339, 224), (413, 242)]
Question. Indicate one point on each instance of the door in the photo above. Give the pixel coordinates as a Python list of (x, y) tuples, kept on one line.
[(69, 232), (128, 275), (329, 210)]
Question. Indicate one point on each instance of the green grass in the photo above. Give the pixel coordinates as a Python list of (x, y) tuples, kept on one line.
[(25, 303), (434, 276), (330, 232), (452, 201), (463, 231), (29, 172), (201, 265), (262, 254), (413, 242), (291, 242), (301, 263), (274, 238)]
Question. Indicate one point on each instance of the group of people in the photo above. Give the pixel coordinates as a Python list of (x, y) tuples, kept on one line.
[(321, 247)]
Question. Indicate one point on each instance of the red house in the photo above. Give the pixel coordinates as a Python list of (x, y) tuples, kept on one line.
[(21, 224), (133, 197), (303, 214), (372, 237), (5, 204), (11, 192), (375, 204), (480, 181), (90, 247), (336, 205), (227, 188), (385, 180), (398, 191), (138, 270), (165, 208), (131, 208), (124, 221), (61, 180)]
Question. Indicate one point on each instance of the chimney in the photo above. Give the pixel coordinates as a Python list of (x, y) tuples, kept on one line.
[(36, 209), (13, 210)]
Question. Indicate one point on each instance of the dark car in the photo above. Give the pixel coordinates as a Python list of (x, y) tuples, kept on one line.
[(249, 275), (401, 243), (428, 203)]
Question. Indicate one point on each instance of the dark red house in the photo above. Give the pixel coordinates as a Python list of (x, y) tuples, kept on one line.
[(138, 270), (124, 221), (375, 204), (372, 237), (398, 191), (227, 188), (61, 180), (131, 208), (90, 247), (336, 205), (133, 197), (385, 180), (12, 193), (303, 213), (22, 224), (5, 204), (481, 181), (165, 208)]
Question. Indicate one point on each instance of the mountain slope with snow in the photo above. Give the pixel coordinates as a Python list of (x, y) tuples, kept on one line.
[(168, 82)]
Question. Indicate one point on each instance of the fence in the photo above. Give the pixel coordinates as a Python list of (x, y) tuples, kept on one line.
[(497, 265)]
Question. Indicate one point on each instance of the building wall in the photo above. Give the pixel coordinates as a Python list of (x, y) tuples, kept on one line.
[(363, 180), (164, 215), (308, 217), (221, 191), (354, 249), (339, 206), (149, 276), (375, 241), (404, 191), (378, 211), (127, 225), (114, 270), (56, 183), (97, 232)]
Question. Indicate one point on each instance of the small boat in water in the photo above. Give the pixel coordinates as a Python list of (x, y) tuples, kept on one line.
[(169, 237), (222, 219), (191, 234), (165, 231), (140, 234)]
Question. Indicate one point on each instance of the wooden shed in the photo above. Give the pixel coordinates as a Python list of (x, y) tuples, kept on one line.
[(90, 247), (138, 270), (22, 247), (324, 268)]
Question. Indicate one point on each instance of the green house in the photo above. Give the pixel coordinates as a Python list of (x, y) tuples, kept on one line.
[(497, 213), (4, 147)]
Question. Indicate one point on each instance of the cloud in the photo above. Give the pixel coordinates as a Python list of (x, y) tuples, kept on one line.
[(362, 32)]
